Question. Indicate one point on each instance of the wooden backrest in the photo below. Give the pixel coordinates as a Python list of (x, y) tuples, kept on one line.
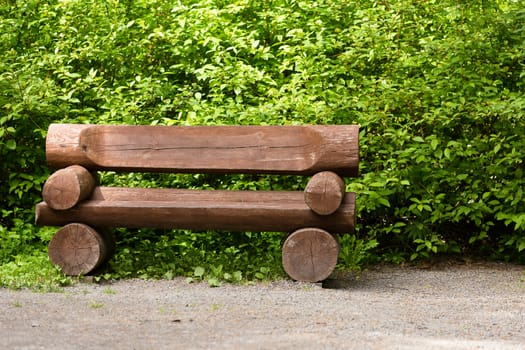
[(302, 150)]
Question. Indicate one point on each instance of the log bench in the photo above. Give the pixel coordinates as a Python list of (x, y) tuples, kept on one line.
[(312, 218)]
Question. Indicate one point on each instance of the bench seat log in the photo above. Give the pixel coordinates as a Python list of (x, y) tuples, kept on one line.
[(274, 211), (301, 150)]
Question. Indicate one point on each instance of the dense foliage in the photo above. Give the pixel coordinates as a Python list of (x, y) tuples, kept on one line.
[(437, 87)]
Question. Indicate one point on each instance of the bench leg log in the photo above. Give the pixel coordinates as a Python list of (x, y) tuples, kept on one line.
[(79, 249), (310, 254)]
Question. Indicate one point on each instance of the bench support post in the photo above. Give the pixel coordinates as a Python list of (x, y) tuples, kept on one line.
[(79, 249), (310, 254)]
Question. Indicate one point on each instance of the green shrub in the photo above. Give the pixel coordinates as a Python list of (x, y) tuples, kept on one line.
[(437, 87)]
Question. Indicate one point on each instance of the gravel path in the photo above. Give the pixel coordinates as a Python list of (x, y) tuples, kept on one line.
[(475, 306)]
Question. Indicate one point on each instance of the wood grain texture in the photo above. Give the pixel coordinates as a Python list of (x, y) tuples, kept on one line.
[(67, 187), (279, 211), (310, 254), (302, 150), (63, 147), (324, 192), (79, 249)]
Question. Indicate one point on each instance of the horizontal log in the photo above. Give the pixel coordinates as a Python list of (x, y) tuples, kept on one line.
[(278, 211), (67, 187), (310, 254), (324, 192), (303, 150), (63, 146)]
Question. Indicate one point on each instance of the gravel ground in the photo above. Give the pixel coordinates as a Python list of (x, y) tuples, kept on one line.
[(469, 306)]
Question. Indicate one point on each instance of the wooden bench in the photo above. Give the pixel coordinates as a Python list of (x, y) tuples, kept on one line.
[(312, 217)]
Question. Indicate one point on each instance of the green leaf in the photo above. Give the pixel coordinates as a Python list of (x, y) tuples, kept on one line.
[(384, 202), (214, 282), (447, 153), (199, 271), (434, 143), (237, 276), (10, 144)]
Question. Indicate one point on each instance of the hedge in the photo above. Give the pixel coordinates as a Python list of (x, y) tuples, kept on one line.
[(436, 86)]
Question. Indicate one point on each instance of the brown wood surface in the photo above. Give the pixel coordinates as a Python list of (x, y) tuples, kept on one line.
[(310, 254), (324, 192), (206, 149), (63, 147), (67, 187), (79, 249), (279, 211)]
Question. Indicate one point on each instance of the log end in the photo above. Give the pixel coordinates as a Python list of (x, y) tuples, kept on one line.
[(324, 192), (67, 187), (310, 254), (79, 249)]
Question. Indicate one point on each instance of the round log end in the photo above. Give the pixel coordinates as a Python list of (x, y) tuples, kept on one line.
[(79, 249), (324, 192), (310, 254), (66, 187)]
